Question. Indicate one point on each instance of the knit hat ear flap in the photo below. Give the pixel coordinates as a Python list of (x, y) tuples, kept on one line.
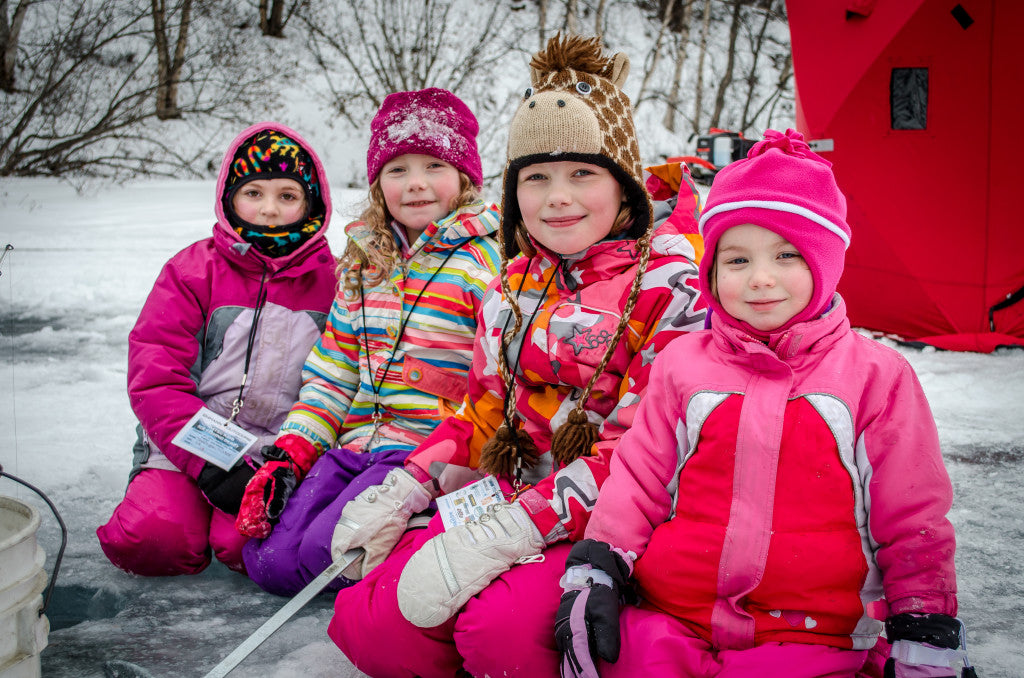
[(510, 448)]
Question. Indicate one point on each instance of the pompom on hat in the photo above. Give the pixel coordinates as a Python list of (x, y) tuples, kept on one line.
[(430, 121), (783, 186)]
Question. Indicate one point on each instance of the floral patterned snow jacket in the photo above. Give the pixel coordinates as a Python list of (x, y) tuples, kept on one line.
[(571, 306), (188, 347), (771, 493), (428, 308)]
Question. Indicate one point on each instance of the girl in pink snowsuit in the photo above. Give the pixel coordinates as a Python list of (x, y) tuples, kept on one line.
[(225, 330), (790, 477)]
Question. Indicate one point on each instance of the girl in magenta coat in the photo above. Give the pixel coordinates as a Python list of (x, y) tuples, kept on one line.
[(783, 495), (225, 330)]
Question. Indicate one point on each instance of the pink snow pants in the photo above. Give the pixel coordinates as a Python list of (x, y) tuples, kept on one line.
[(658, 644), (164, 526), (506, 630)]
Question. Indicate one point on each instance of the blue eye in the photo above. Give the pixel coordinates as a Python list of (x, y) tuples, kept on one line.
[(583, 88), (528, 93)]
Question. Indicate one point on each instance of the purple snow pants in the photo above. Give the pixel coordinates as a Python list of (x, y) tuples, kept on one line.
[(164, 526), (506, 630), (299, 548)]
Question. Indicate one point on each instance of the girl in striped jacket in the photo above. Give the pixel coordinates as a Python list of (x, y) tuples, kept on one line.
[(399, 338)]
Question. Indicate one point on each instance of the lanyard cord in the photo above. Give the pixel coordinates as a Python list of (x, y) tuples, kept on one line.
[(261, 300), (508, 409), (403, 321)]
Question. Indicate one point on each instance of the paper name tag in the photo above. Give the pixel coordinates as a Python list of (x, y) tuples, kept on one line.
[(211, 437), (469, 502)]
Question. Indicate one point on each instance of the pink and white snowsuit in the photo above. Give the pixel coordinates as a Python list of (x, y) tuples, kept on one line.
[(771, 493), (186, 351)]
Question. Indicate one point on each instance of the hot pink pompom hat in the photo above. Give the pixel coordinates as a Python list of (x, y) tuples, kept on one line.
[(430, 121), (783, 186)]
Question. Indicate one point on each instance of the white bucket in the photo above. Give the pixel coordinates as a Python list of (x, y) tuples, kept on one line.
[(23, 631)]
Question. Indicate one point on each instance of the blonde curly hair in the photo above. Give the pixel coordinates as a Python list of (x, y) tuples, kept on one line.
[(371, 266)]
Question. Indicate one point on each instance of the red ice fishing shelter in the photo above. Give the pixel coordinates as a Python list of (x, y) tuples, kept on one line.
[(919, 104)]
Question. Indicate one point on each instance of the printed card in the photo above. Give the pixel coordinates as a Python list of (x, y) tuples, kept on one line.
[(214, 438), (469, 502)]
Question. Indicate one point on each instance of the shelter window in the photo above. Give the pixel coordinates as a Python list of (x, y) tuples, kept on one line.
[(908, 98)]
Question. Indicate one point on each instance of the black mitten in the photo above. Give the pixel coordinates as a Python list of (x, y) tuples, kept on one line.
[(587, 621), (925, 646), (224, 489)]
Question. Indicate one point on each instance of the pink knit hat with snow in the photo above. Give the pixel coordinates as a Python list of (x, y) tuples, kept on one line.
[(783, 186), (429, 121)]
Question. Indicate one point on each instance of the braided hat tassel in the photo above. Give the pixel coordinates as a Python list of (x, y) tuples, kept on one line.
[(573, 438)]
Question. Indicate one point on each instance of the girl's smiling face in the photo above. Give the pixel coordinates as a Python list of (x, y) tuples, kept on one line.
[(568, 206), (760, 278), (418, 190)]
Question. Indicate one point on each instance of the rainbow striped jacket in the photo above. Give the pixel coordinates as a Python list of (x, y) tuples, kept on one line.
[(403, 347)]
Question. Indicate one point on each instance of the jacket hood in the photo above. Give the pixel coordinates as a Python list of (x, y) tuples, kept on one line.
[(223, 227), (787, 343)]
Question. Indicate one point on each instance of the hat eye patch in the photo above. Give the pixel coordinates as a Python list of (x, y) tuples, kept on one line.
[(584, 88)]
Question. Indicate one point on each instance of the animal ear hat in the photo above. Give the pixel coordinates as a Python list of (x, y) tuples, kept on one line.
[(575, 110)]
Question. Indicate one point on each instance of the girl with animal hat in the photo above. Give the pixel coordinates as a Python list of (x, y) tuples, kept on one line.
[(392, 361), (589, 292)]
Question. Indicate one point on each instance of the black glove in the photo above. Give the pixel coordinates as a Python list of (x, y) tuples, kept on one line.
[(224, 489), (925, 640), (587, 622)]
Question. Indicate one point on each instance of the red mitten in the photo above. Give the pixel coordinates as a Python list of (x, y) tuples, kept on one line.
[(288, 461)]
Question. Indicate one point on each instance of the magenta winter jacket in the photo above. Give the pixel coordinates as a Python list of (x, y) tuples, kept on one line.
[(772, 492), (188, 347)]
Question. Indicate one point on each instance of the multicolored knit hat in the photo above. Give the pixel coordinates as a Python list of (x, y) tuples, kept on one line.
[(430, 121), (575, 110), (272, 154), (781, 185)]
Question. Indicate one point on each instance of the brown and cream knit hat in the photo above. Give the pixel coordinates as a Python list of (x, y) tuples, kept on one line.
[(575, 109)]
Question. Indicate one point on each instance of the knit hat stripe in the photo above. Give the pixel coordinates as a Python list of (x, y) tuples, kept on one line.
[(776, 206)]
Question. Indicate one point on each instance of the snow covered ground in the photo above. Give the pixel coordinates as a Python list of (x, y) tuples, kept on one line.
[(70, 291)]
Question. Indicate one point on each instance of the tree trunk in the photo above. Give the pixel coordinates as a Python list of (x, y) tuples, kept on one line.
[(673, 97), (726, 80), (542, 22), (698, 100), (9, 33), (655, 56), (169, 66), (571, 24), (599, 19), (752, 78), (273, 17)]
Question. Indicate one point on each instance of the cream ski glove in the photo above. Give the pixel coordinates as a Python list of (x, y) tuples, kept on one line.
[(375, 520), (455, 565)]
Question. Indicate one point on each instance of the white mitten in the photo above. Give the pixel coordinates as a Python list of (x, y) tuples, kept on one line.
[(455, 565), (375, 520)]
